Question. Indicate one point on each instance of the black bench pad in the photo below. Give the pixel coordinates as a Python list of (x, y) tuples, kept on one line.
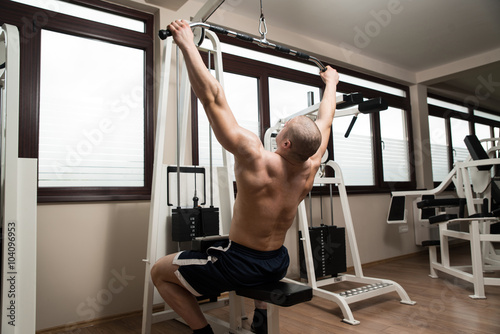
[(476, 150), (442, 218), (440, 202), (431, 243), (278, 293)]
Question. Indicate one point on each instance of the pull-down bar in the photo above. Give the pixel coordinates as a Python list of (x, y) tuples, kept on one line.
[(163, 34)]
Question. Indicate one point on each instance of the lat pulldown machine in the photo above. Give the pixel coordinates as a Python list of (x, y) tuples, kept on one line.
[(161, 214), (290, 291), (317, 266)]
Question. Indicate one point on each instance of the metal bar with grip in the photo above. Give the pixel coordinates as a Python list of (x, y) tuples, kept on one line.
[(165, 33)]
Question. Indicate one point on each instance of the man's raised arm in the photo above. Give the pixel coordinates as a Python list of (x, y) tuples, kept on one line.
[(210, 93), (326, 109)]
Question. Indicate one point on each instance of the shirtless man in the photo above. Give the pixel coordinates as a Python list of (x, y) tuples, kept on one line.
[(271, 185)]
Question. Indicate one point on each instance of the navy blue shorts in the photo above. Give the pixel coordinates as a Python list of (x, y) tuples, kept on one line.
[(227, 266)]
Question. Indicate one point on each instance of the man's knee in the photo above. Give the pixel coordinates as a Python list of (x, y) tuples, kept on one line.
[(155, 273), (163, 270)]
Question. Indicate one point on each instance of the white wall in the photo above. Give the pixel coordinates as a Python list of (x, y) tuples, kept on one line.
[(90, 254), (89, 261)]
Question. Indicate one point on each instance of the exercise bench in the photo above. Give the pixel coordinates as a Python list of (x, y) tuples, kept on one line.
[(278, 294), (478, 199)]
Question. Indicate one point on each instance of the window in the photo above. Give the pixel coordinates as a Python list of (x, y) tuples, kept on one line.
[(242, 96), (459, 129), (482, 131), (354, 154), (439, 148), (449, 123), (373, 157), (87, 98), (91, 131), (287, 98), (395, 155)]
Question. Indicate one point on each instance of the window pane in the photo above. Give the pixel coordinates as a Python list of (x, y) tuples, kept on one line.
[(487, 115), (287, 98), (439, 148), (266, 58), (447, 105), (372, 85), (242, 96), (394, 145), (354, 154), (91, 113), (482, 131), (459, 129), (87, 13)]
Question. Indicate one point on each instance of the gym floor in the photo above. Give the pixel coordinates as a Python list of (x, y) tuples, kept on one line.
[(443, 306)]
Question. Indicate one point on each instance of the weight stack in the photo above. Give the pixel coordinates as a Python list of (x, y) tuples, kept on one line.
[(190, 223), (328, 251), (186, 224)]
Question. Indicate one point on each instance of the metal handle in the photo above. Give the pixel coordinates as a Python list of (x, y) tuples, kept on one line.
[(163, 34)]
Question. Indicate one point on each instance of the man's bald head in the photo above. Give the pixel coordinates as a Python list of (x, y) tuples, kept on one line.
[(305, 137)]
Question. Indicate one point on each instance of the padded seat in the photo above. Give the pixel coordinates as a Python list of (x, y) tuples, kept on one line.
[(442, 218), (278, 293), (428, 243), (441, 203)]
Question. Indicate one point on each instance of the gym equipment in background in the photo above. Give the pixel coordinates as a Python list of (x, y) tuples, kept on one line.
[(476, 196), (319, 280)]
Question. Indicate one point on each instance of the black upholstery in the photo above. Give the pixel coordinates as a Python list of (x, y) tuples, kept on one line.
[(431, 243), (442, 218), (440, 203), (278, 293), (476, 150), (201, 244)]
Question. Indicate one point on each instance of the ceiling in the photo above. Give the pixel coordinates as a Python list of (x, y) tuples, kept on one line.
[(421, 36)]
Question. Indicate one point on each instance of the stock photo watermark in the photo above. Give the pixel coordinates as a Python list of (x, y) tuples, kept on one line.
[(90, 308), (484, 89), (365, 34), (93, 138)]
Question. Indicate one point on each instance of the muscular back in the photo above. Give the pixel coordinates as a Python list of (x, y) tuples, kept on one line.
[(269, 186), (269, 192)]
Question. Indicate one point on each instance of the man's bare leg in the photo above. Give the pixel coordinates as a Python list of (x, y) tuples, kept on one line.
[(175, 295)]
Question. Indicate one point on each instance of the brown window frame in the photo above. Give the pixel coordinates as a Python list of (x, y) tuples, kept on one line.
[(472, 119), (30, 21)]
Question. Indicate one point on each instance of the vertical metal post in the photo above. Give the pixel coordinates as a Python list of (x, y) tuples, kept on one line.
[(157, 203), (331, 203), (210, 146), (177, 94)]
